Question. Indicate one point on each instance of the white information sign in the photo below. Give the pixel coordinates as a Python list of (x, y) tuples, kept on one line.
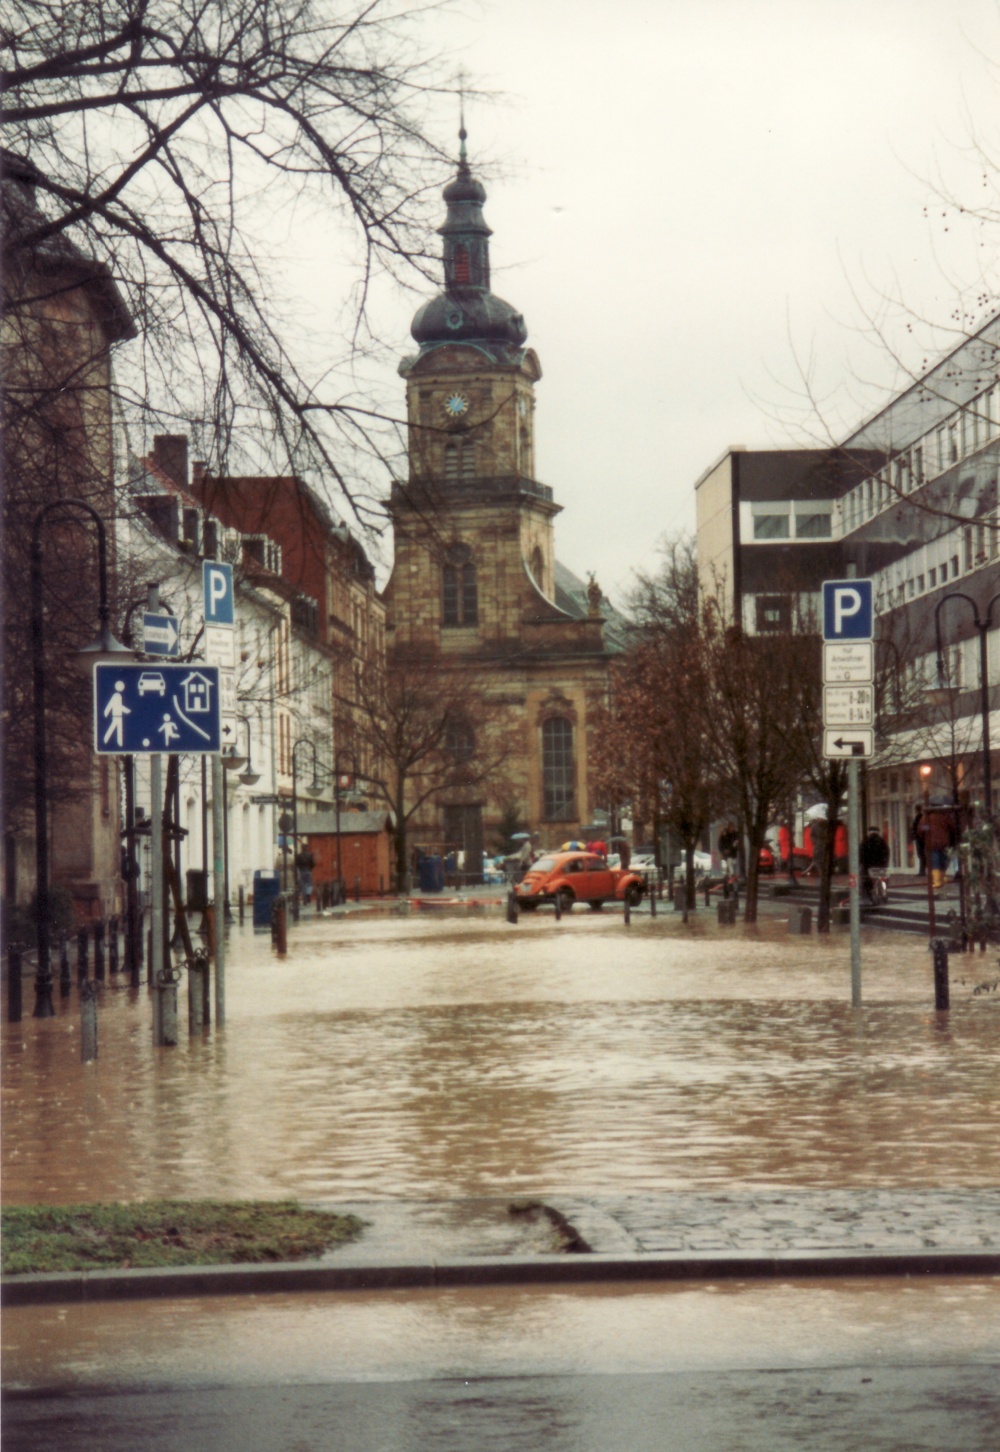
[(848, 662), (220, 645), (843, 742), (848, 706)]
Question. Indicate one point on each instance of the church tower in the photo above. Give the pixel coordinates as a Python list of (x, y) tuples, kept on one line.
[(475, 583)]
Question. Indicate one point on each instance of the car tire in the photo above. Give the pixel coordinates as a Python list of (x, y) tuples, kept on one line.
[(566, 900), (633, 894), (597, 905)]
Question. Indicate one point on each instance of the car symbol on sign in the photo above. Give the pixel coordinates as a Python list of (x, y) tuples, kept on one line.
[(152, 681)]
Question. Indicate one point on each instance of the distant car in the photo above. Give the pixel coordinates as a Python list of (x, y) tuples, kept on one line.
[(152, 682), (574, 877)]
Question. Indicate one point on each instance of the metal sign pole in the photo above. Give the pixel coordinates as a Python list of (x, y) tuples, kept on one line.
[(219, 875), (156, 883), (853, 859)]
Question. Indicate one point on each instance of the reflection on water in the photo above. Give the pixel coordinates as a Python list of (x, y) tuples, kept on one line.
[(412, 1058)]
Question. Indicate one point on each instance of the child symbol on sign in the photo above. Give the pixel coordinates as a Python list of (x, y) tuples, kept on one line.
[(168, 730)]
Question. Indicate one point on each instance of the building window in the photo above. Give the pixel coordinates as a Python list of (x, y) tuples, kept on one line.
[(538, 568), (774, 612), (460, 742), (772, 526), (459, 589), (813, 526), (459, 460), (557, 769)]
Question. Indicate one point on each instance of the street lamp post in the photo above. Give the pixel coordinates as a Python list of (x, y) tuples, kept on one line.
[(314, 788), (983, 626), (104, 646), (336, 807)]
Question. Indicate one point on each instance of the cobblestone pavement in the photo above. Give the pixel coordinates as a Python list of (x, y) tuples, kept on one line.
[(764, 1221)]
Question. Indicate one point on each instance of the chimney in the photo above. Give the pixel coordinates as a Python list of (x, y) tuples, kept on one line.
[(199, 469), (170, 453)]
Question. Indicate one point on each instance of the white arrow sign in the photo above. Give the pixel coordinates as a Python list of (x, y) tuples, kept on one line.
[(160, 635), (856, 742)]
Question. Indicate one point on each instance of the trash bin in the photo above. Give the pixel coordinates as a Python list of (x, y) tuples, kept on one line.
[(431, 875), (266, 887), (197, 890)]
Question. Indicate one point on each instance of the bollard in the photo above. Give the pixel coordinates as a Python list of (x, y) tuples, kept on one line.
[(88, 1022), (208, 926), (557, 900), (628, 913), (800, 921), (680, 899), (81, 956), (198, 993), (112, 945), (279, 925), (65, 976), (708, 892), (242, 905), (13, 985), (295, 907), (725, 912), (652, 902), (165, 1008), (99, 952), (941, 990), (512, 913)]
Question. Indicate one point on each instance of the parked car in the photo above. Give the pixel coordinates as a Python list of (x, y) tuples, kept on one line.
[(577, 877)]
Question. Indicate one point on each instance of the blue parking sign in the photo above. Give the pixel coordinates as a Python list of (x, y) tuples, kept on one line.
[(848, 610), (142, 709), (217, 583)]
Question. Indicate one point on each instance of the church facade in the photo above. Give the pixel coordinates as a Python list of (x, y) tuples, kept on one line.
[(476, 587)]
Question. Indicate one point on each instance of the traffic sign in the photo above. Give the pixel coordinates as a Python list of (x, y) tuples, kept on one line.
[(160, 635), (848, 610), (850, 662), (219, 645), (145, 709), (217, 584), (841, 743), (848, 706)]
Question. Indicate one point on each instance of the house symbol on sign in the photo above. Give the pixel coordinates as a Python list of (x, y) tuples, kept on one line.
[(197, 693)]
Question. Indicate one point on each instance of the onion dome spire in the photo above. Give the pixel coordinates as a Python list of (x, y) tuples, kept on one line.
[(466, 311)]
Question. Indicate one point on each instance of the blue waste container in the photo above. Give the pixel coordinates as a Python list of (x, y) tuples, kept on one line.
[(431, 874), (266, 887)]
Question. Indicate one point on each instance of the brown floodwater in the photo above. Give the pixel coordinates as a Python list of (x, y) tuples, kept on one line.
[(433, 1056)]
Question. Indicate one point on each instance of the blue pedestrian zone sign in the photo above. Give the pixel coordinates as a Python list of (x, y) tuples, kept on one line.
[(847, 610), (150, 708)]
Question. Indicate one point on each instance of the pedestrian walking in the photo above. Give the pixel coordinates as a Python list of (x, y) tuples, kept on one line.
[(305, 862)]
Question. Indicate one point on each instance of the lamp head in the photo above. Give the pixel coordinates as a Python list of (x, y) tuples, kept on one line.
[(105, 650)]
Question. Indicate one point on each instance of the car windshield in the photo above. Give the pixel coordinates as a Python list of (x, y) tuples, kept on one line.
[(544, 864)]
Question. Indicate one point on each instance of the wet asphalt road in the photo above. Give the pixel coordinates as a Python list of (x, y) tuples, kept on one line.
[(874, 1365)]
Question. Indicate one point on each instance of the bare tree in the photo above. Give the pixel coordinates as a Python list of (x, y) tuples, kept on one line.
[(428, 729), (166, 135)]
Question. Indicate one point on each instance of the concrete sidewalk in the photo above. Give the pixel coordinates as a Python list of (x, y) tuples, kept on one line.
[(568, 1239)]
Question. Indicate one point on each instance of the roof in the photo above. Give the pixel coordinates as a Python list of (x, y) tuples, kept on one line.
[(322, 824)]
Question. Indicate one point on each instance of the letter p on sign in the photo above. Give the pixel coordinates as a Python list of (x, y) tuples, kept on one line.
[(217, 583), (847, 610)]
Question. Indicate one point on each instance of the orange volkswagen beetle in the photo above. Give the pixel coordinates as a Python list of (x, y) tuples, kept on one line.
[(577, 877)]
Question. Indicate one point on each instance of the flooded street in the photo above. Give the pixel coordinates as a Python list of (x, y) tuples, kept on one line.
[(445, 1057)]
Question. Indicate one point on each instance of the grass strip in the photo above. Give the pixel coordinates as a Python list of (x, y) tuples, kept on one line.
[(166, 1233)]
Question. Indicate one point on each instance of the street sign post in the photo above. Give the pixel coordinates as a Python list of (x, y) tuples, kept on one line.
[(160, 635), (143, 710), (849, 715)]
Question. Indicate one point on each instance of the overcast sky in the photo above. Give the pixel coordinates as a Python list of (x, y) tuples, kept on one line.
[(693, 192)]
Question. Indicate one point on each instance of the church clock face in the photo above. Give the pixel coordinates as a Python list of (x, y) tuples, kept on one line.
[(456, 405)]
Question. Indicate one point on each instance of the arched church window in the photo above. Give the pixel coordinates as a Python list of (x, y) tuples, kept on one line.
[(557, 768), (459, 588), (463, 269)]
